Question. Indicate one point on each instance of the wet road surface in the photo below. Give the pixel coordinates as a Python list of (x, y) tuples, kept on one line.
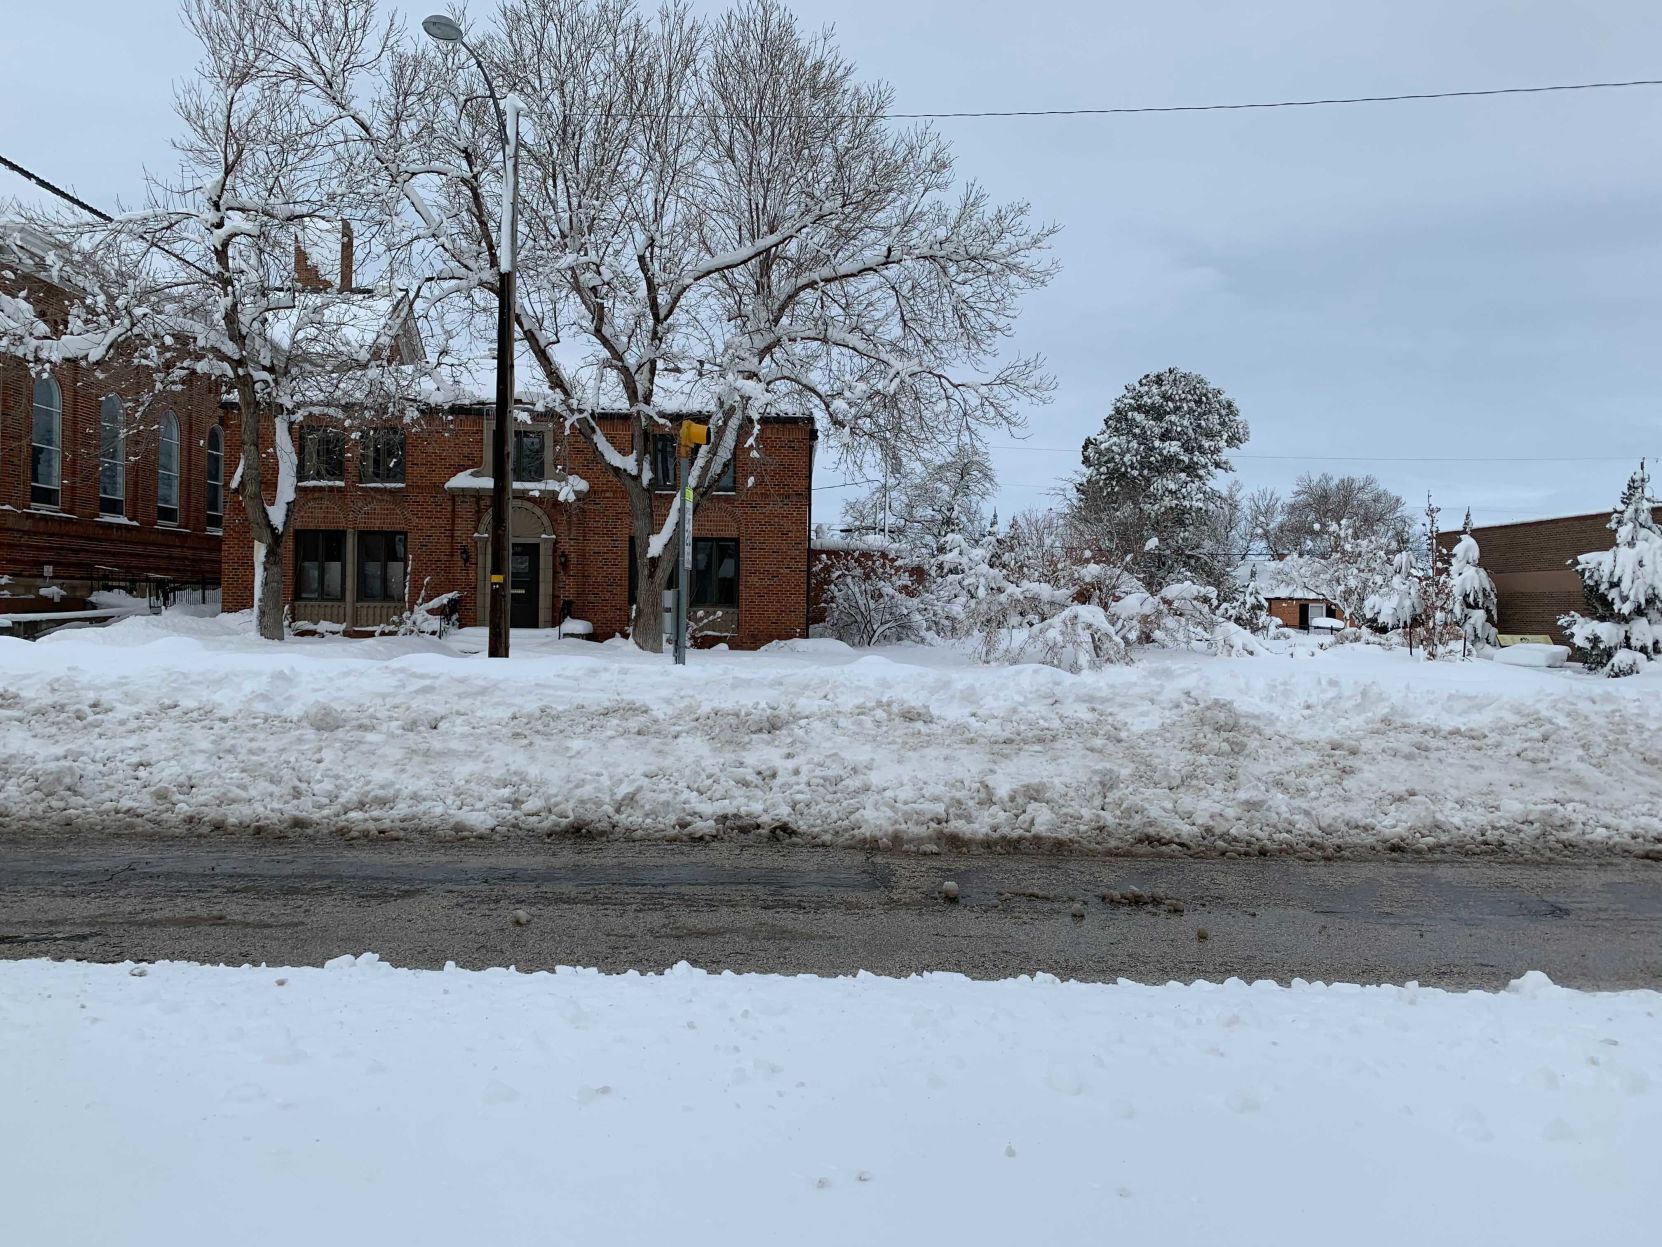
[(789, 909)]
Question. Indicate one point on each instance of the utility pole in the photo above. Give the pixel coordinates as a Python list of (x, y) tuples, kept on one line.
[(499, 593), (692, 434)]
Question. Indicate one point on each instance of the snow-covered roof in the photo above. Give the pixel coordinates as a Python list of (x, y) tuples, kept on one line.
[(1277, 579)]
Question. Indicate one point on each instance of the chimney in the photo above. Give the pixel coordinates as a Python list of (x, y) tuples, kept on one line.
[(306, 276), (346, 255)]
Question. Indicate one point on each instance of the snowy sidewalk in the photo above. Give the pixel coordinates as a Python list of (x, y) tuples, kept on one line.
[(178, 1105), (182, 724)]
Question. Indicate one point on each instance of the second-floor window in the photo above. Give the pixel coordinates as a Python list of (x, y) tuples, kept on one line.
[(45, 444), (381, 457), (530, 455), (215, 516), (322, 454), (167, 471), (112, 457), (666, 472)]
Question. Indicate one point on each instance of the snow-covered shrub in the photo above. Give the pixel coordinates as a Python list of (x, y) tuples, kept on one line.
[(1082, 637), (428, 617), (1622, 629), (873, 598)]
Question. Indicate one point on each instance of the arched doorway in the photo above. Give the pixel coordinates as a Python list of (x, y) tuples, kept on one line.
[(530, 566)]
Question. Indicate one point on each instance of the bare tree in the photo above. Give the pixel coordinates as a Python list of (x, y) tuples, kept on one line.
[(1320, 505), (1265, 512), (921, 505), (718, 218), (202, 279)]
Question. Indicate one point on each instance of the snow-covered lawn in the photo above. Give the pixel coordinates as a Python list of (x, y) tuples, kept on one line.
[(361, 1104), (185, 723)]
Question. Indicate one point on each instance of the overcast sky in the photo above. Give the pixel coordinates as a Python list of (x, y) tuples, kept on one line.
[(1473, 280)]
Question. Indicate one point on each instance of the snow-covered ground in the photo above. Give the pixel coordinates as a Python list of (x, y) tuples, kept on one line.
[(187, 723), (177, 1104)]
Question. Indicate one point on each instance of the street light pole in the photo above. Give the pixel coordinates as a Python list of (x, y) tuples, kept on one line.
[(499, 594)]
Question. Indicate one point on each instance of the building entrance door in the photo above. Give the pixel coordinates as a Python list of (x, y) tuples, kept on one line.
[(524, 583)]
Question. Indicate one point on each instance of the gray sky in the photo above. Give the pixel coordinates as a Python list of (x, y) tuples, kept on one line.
[(1454, 279)]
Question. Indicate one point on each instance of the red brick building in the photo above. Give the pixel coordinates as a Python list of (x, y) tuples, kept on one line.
[(384, 518), (101, 486), (1532, 565)]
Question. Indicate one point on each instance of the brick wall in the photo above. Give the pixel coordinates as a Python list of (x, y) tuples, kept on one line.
[(1286, 610), (80, 547), (588, 572), (1532, 566)]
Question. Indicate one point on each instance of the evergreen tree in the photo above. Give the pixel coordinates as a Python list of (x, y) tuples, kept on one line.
[(1621, 630), (1474, 592), (1246, 606), (1147, 489), (1437, 619), (1396, 607)]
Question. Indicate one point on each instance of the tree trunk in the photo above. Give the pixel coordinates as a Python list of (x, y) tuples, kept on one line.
[(268, 537), (651, 574), (268, 604)]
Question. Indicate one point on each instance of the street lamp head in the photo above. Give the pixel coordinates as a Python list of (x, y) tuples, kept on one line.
[(442, 28)]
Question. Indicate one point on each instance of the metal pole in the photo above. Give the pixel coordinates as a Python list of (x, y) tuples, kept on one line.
[(683, 575), (502, 471)]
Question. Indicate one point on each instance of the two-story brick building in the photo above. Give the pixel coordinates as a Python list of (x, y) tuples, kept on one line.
[(386, 517), (103, 485)]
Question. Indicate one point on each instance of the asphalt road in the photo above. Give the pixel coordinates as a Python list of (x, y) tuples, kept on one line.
[(797, 910)]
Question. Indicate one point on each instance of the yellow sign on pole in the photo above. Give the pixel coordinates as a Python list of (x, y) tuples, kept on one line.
[(694, 433)]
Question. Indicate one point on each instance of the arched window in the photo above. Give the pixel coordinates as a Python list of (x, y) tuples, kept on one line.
[(45, 444), (216, 479), (167, 471), (112, 458)]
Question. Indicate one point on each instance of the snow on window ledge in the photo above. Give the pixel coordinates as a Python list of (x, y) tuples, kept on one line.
[(320, 484), (564, 490), (116, 519)]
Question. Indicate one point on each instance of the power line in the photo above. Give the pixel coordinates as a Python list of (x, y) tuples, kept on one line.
[(1074, 450), (1312, 103), (55, 189)]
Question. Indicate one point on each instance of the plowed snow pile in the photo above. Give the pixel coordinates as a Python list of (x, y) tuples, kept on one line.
[(180, 724)]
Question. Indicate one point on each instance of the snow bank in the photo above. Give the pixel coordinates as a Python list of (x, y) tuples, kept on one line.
[(180, 724), (151, 1105)]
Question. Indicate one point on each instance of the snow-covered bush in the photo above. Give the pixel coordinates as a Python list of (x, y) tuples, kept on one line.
[(873, 599), (1081, 637), (428, 617), (1622, 629)]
